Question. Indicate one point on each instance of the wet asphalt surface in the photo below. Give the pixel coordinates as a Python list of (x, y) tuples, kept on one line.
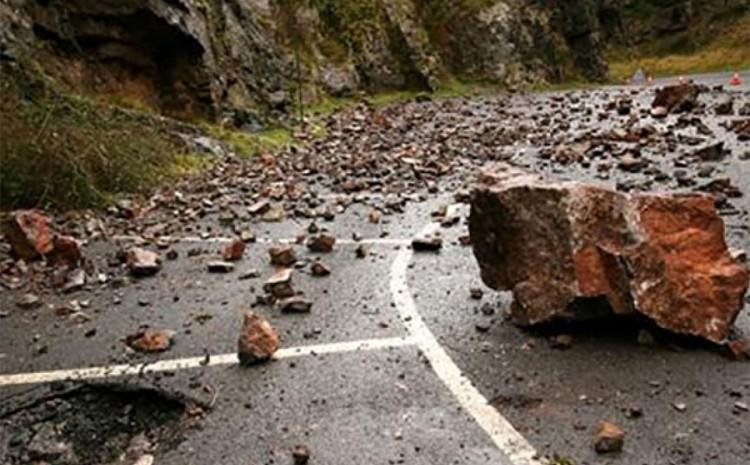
[(389, 406)]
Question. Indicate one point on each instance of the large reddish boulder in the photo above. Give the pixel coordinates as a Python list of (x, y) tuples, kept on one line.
[(573, 251), (29, 233), (679, 98)]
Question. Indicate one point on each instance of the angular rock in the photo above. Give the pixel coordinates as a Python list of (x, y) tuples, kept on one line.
[(142, 262), (322, 243), (295, 305), (280, 284), (150, 340), (234, 250), (282, 255), (301, 454), (29, 301), (431, 243), (577, 251), (319, 269), (680, 98), (67, 250), (609, 439), (258, 340), (219, 266), (29, 233)]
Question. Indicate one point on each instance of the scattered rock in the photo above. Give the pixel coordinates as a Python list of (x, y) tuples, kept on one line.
[(76, 280), (725, 107), (319, 269), (67, 250), (234, 250), (577, 251), (249, 274), (739, 349), (150, 340), (431, 243), (680, 98), (280, 284), (562, 341), (29, 233), (476, 293), (711, 152), (260, 207), (375, 216), (301, 454), (29, 301), (218, 266), (321, 243), (361, 251), (282, 255), (609, 439), (295, 304), (258, 340), (142, 262)]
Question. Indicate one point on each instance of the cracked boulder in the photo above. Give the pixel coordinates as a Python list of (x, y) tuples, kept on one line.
[(580, 251)]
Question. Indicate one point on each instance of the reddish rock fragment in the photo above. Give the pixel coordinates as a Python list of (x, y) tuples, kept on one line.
[(234, 250), (677, 99), (319, 269), (150, 340), (321, 243), (282, 255), (29, 233), (258, 340), (280, 284), (609, 439), (67, 250), (578, 251)]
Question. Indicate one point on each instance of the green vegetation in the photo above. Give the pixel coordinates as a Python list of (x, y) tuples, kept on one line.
[(719, 43), (64, 151), (247, 144)]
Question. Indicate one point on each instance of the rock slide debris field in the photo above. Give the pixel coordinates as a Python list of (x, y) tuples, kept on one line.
[(341, 273)]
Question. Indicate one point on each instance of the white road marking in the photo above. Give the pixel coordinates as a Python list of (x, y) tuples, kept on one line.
[(518, 450), (264, 240), (114, 371)]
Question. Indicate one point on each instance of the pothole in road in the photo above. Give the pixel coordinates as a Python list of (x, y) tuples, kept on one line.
[(94, 424)]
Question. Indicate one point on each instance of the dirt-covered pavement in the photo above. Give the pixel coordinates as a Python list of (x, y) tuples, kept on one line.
[(404, 356)]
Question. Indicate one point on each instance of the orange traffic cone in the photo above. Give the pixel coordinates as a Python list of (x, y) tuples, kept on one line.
[(736, 80)]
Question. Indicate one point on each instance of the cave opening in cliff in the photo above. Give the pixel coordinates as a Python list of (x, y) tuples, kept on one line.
[(135, 58)]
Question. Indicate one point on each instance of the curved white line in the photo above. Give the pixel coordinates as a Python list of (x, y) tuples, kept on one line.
[(510, 442)]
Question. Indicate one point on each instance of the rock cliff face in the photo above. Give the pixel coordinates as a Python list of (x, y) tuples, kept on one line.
[(238, 59)]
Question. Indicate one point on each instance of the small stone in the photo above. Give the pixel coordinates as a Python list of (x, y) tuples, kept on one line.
[(258, 340), (274, 215), (375, 216), (322, 243), (562, 341), (295, 305), (659, 112), (280, 284), (150, 340), (634, 412), (29, 301), (741, 407), (361, 251), (142, 262), (431, 243), (739, 349), (234, 250), (319, 269), (282, 255), (679, 406), (67, 250), (219, 266), (259, 207), (247, 236), (476, 293), (483, 326), (301, 454), (249, 274), (76, 280), (609, 439)]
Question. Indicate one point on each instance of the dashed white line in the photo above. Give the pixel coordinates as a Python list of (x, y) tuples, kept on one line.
[(263, 240), (114, 371), (510, 442)]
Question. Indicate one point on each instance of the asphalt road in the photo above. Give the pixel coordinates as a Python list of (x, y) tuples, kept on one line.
[(405, 368)]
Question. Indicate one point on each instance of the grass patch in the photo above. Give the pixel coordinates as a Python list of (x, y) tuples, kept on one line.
[(722, 45), (248, 144), (63, 151)]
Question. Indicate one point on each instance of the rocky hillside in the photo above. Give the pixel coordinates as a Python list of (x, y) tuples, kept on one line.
[(240, 61)]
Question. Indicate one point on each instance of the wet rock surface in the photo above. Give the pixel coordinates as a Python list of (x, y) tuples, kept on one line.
[(561, 246)]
